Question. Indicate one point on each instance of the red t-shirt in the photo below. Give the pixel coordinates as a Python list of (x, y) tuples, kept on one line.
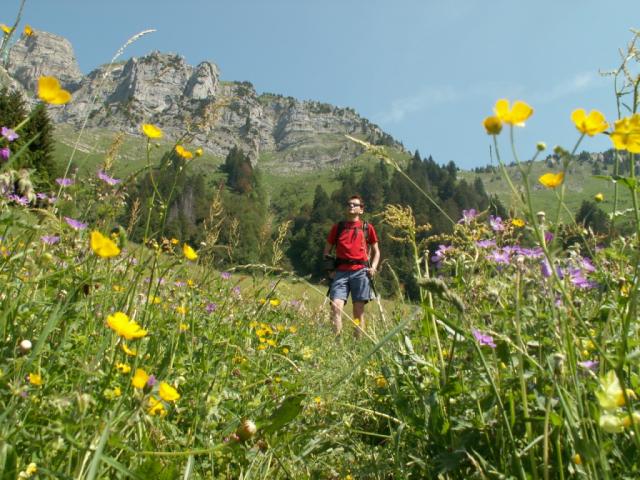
[(351, 244)]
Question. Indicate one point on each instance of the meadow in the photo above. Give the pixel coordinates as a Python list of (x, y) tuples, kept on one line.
[(123, 360)]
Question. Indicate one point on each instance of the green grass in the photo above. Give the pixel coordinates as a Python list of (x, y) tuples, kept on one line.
[(580, 185)]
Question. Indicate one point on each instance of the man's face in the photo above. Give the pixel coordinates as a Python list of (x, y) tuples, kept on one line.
[(354, 207)]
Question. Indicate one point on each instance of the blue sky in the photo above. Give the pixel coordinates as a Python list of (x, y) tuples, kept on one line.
[(426, 71)]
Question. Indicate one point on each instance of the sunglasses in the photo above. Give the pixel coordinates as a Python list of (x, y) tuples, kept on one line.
[(352, 205)]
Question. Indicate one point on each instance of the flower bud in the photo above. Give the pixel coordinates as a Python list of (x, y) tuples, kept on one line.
[(246, 430), (541, 146), (25, 346), (598, 197)]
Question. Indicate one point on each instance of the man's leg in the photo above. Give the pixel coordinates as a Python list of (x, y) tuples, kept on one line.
[(336, 314), (358, 318)]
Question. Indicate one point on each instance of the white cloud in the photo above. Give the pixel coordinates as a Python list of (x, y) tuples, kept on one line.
[(577, 84), (423, 100)]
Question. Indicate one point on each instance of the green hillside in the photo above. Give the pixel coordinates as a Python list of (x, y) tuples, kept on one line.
[(580, 185)]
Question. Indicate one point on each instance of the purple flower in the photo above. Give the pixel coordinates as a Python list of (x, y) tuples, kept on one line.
[(499, 256), (9, 134), (64, 182), (468, 215), (483, 339), (106, 178), (496, 223), (587, 265), (236, 290), (545, 268), (439, 254), (151, 381), (50, 239), (576, 276), (180, 284), (5, 153), (548, 237), (41, 196), (225, 275), (211, 307), (589, 365), (24, 201), (486, 243), (75, 224)]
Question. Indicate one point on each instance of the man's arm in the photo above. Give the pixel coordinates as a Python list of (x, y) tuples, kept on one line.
[(327, 249), (375, 249)]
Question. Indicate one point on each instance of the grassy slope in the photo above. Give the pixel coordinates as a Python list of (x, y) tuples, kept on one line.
[(580, 185), (131, 157)]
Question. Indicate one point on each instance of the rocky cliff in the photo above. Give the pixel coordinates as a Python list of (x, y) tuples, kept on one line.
[(163, 89)]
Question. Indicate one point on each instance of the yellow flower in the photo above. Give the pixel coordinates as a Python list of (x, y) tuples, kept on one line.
[(182, 310), (271, 342), (140, 378), (128, 351), (626, 420), (117, 288), (493, 125), (626, 134), (156, 407), (175, 241), (50, 91), (262, 347), (611, 423), (167, 392), (5, 29), (29, 472), (183, 327), (274, 302), (199, 152), (293, 329), (124, 326), (103, 246), (577, 459), (183, 152), (189, 252), (307, 353), (381, 382), (598, 197), (610, 395), (285, 350), (35, 379), (517, 222), (515, 115), (591, 124), (151, 131), (28, 31), (123, 367), (551, 180), (113, 393)]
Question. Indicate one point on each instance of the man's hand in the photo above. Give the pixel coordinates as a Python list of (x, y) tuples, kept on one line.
[(372, 271)]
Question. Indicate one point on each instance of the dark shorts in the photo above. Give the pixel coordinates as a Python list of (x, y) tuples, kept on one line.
[(356, 282)]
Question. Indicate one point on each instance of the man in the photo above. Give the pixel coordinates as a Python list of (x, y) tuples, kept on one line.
[(353, 272)]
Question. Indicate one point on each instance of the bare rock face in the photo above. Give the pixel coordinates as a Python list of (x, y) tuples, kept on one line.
[(41, 54), (163, 89)]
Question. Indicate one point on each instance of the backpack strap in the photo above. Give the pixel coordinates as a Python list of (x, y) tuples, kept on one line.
[(365, 230)]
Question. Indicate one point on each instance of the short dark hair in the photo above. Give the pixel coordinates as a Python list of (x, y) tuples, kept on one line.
[(357, 197)]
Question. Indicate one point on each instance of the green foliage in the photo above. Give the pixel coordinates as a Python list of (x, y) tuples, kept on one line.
[(36, 135)]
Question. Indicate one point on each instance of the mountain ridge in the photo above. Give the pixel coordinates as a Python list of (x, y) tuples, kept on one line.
[(192, 102)]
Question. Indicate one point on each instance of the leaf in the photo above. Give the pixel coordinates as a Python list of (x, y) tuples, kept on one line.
[(8, 462), (289, 409), (556, 419), (121, 468), (628, 182)]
